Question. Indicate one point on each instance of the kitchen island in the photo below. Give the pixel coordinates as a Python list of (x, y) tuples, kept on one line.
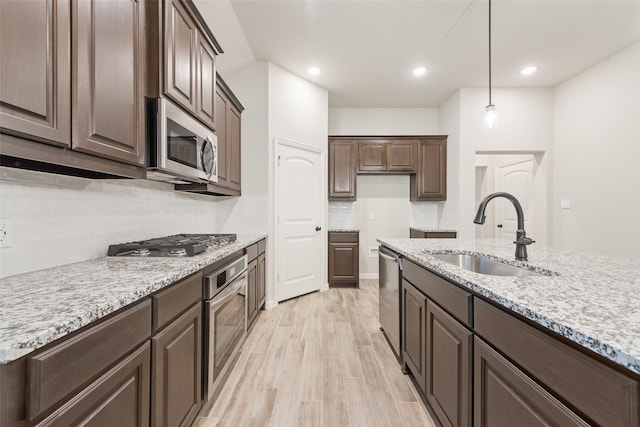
[(569, 337)]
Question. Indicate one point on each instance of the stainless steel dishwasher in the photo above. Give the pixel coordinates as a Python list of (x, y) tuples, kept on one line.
[(390, 271)]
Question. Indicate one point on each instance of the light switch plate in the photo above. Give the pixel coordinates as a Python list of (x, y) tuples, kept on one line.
[(565, 204)]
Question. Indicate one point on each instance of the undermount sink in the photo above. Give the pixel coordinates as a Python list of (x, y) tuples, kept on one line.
[(482, 265)]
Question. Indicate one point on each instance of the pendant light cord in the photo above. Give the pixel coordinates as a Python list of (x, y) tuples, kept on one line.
[(490, 53)]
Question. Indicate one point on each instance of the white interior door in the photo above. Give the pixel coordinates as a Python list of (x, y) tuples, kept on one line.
[(515, 178), (298, 214)]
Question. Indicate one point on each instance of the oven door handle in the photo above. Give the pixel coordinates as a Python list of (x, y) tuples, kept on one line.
[(230, 291)]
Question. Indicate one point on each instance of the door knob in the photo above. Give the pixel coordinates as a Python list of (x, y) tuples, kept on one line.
[(318, 228), (499, 225)]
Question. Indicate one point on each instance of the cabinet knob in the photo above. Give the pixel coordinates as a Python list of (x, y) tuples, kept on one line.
[(318, 228)]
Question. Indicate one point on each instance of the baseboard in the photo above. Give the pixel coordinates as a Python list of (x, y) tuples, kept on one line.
[(369, 276), (324, 288), (269, 304)]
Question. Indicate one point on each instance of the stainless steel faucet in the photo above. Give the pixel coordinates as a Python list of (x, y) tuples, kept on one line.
[(521, 236)]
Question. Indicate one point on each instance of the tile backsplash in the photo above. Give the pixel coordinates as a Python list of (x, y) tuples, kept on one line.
[(58, 219)]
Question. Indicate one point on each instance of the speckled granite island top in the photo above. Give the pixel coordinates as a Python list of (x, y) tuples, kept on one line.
[(39, 307), (590, 299)]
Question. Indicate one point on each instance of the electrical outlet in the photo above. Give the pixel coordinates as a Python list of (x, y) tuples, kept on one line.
[(373, 252), (565, 204), (5, 234), (372, 216)]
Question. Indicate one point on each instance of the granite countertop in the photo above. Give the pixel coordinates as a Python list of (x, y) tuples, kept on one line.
[(434, 229), (344, 230), (39, 307), (590, 299)]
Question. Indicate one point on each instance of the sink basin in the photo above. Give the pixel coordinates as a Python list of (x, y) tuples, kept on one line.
[(482, 265)]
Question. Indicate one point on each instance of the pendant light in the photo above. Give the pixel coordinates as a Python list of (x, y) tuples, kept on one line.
[(490, 115)]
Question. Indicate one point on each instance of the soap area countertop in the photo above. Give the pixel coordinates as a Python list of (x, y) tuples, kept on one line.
[(589, 299), (42, 306)]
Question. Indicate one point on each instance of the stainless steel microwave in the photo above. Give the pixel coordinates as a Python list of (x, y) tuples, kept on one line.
[(180, 149)]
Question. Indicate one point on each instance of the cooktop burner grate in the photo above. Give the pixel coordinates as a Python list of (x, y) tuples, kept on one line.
[(178, 245)]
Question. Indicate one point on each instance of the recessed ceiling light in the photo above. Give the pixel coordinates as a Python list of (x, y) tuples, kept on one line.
[(419, 71), (527, 71), (314, 71)]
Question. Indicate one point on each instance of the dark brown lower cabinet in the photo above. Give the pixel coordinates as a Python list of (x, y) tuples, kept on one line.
[(344, 248), (177, 371), (449, 365), (252, 291), (262, 280), (414, 335), (118, 398), (419, 234), (505, 396)]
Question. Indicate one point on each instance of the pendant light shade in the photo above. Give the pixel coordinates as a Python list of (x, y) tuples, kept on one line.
[(490, 115)]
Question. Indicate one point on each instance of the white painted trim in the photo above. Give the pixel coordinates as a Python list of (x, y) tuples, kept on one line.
[(270, 304), (323, 210), (369, 276)]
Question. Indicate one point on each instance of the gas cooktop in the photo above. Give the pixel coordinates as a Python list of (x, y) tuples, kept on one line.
[(178, 245)]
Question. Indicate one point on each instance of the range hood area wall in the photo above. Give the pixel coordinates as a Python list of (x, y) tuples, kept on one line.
[(57, 219)]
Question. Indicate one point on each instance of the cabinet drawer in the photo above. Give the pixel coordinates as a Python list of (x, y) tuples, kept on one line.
[(252, 252), (449, 296), (169, 303), (262, 246), (343, 237), (601, 393), (55, 373)]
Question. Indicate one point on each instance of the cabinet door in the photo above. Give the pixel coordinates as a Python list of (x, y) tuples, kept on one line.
[(118, 398), (233, 145), (430, 181), (402, 156), (180, 55), (414, 335), (109, 83), (206, 81), (373, 156), (252, 291), (35, 61), (177, 371), (343, 263), (449, 358), (221, 111), (262, 280), (342, 170), (506, 396)]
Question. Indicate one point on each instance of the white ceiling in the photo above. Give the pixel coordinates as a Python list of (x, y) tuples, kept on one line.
[(367, 49)]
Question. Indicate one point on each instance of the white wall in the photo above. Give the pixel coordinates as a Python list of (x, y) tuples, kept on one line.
[(597, 155), (57, 219), (526, 127), (383, 121)]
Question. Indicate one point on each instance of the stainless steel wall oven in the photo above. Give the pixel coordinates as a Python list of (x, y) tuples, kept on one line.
[(225, 314)]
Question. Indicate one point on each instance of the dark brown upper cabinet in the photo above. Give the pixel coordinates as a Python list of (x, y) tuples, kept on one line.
[(430, 181), (109, 84), (373, 156), (393, 156), (35, 63), (424, 158), (73, 75), (342, 169), (181, 58)]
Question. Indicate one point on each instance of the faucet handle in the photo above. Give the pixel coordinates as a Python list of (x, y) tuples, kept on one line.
[(524, 241)]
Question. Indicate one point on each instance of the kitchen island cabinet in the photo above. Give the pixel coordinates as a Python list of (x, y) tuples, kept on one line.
[(528, 365), (89, 99)]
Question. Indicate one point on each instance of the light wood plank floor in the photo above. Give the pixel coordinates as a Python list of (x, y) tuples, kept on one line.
[(318, 360)]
